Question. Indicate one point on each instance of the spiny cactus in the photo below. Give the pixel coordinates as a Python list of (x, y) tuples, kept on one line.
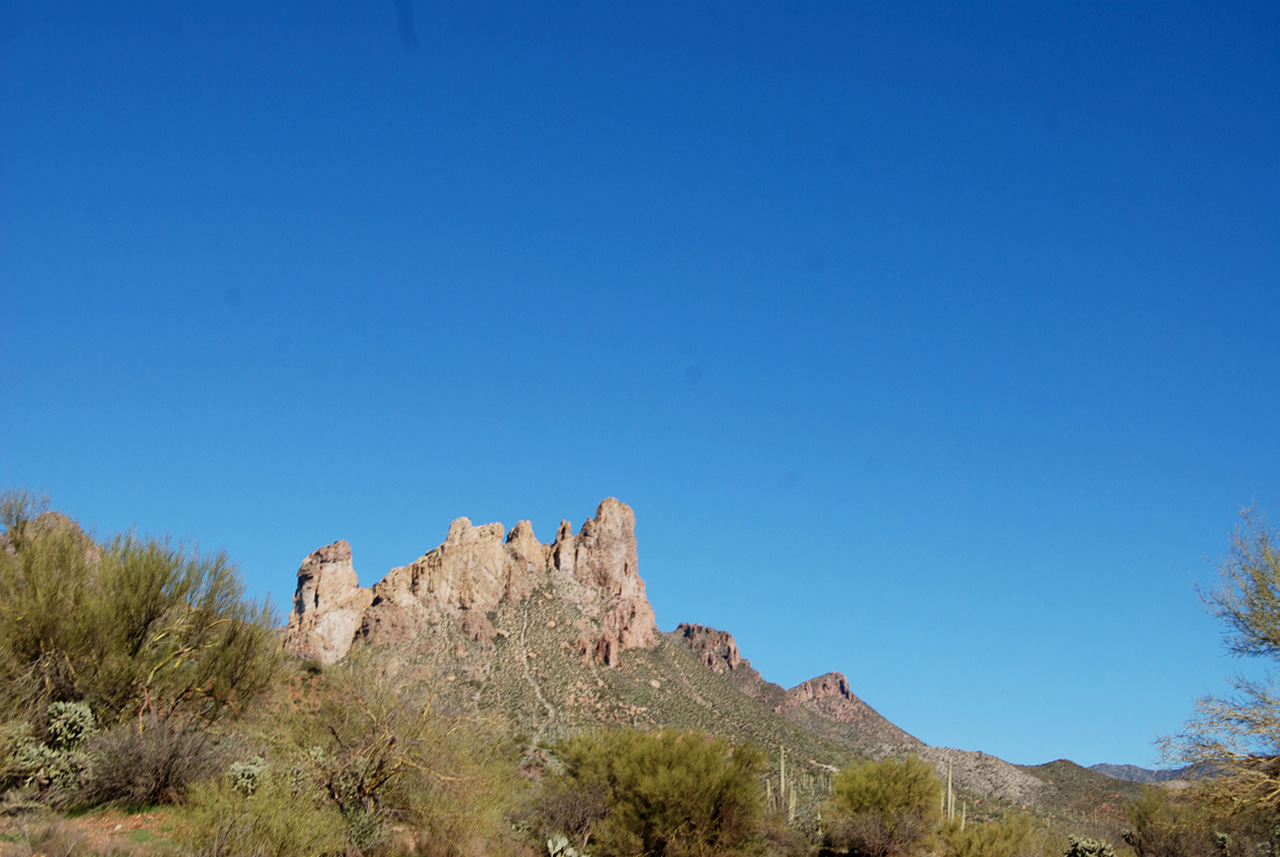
[(245, 777), (558, 846), (1082, 847), (70, 725)]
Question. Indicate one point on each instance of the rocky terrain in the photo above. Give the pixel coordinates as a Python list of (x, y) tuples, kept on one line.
[(560, 637)]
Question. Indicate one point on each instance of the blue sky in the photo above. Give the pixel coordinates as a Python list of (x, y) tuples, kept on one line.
[(933, 343)]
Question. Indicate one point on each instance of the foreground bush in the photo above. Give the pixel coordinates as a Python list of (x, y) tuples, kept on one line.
[(1161, 825), (133, 626), (377, 752), (657, 793), (150, 761), (884, 808), (278, 819)]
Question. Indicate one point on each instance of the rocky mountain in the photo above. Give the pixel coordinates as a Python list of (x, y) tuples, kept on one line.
[(555, 638)]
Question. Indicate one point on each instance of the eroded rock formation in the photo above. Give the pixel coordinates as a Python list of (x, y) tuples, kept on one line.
[(328, 605), (464, 579), (716, 649)]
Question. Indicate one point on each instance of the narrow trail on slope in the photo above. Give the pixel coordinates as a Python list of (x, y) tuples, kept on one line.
[(693, 690), (528, 674)]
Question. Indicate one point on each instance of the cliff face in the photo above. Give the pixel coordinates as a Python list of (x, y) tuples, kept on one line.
[(328, 605), (468, 576)]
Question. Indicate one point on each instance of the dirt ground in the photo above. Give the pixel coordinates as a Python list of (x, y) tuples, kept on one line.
[(115, 832)]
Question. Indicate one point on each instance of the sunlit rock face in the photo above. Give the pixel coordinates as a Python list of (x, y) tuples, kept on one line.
[(465, 578), (328, 605)]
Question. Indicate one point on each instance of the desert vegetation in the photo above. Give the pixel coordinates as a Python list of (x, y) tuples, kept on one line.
[(137, 681)]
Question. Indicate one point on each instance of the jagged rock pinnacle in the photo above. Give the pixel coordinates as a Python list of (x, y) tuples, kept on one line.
[(468, 576)]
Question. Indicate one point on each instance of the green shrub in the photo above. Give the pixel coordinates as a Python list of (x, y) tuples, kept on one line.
[(378, 752), (1011, 837), (58, 768), (130, 626), (884, 808), (662, 793), (56, 775), (275, 821), (1159, 827), (15, 737)]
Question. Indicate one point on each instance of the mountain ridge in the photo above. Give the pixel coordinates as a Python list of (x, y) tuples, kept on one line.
[(561, 637)]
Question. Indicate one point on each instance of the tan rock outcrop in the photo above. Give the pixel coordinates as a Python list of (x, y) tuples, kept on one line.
[(328, 605), (476, 569), (716, 649)]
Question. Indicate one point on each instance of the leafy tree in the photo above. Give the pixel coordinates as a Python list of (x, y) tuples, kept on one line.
[(135, 627), (1237, 737), (671, 793), (885, 808)]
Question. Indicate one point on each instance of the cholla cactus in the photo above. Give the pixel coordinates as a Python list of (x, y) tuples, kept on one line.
[(1081, 847), (558, 846), (245, 777), (70, 725)]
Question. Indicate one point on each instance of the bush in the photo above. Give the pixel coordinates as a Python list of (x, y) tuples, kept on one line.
[(56, 769), (1161, 828), (377, 752), (663, 793), (15, 737), (884, 808), (1010, 837), (149, 762), (131, 626), (277, 820)]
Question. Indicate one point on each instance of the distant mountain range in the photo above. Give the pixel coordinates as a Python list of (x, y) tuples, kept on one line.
[(553, 639), (1134, 774)]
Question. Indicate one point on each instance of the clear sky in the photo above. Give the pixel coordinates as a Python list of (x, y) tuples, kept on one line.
[(933, 343)]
